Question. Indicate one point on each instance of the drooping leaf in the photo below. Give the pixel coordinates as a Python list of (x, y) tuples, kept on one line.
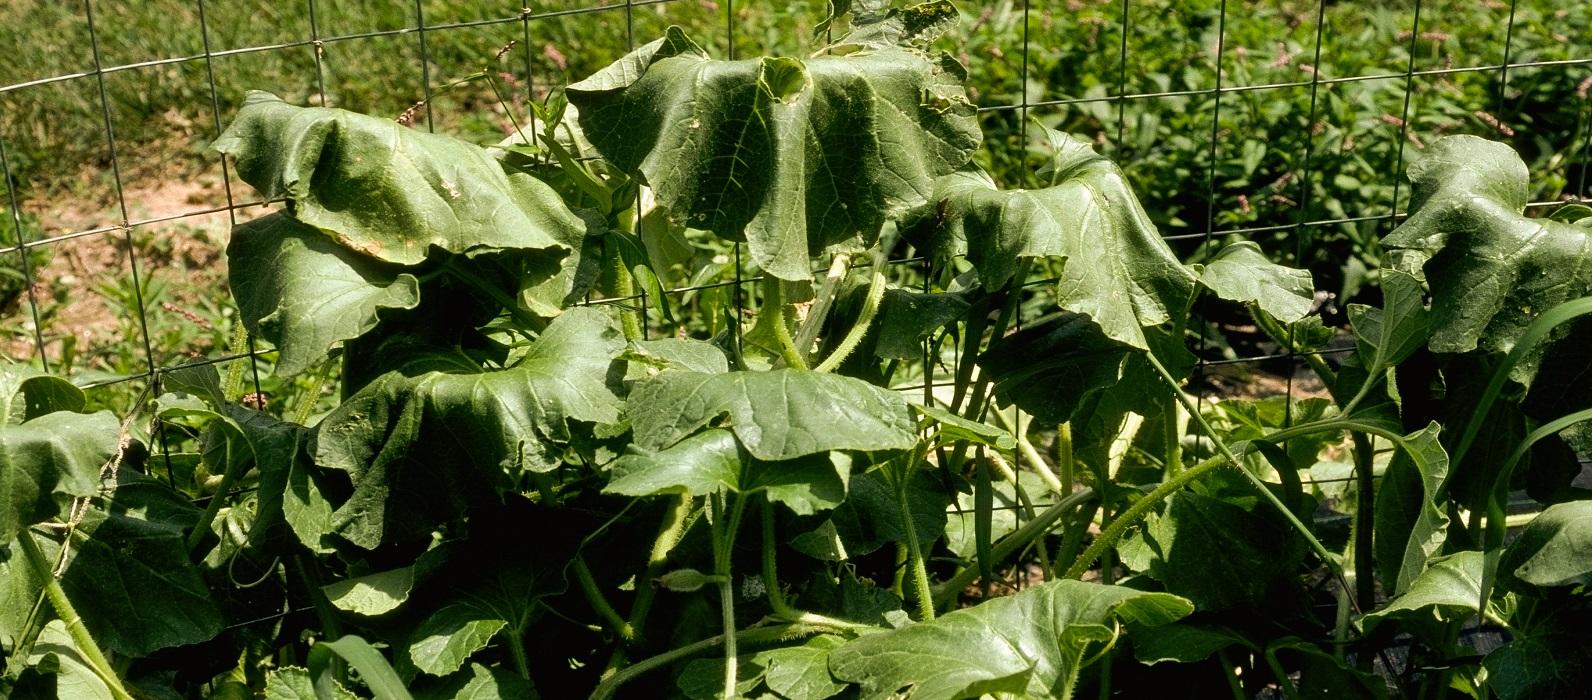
[(712, 461), (1030, 644), (1117, 269), (1241, 272), (1047, 369), (1491, 269), (391, 192), (1554, 550), (1411, 520), (791, 155), (47, 461), (906, 318), (392, 436), (304, 293), (372, 594), (27, 393), (777, 415), (1450, 586)]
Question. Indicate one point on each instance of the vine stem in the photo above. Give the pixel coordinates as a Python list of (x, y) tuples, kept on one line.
[(196, 537), (625, 290), (724, 531), (807, 332), (1113, 532), (74, 624), (761, 635), (670, 530), (1031, 530), (1227, 454)]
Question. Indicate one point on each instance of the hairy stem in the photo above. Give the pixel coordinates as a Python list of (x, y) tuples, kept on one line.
[(599, 603), (86, 645), (870, 308), (773, 313), (919, 568), (807, 332), (624, 289)]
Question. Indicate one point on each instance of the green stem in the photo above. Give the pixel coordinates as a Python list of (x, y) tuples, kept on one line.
[(201, 529), (625, 290), (773, 312), (1019, 539), (92, 655), (859, 330), (1031, 455), (1064, 458), (983, 519), (723, 548), (1174, 439), (807, 332), (776, 596), (1364, 524), (918, 567), (599, 603), (522, 664), (1119, 525), (305, 407), (761, 635), (669, 533)]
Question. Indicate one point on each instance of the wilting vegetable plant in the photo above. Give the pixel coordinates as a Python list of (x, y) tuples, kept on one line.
[(890, 386)]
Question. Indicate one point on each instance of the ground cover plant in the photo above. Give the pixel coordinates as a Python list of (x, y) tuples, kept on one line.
[(895, 385)]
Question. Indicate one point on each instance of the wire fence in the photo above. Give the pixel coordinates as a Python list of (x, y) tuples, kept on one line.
[(70, 266)]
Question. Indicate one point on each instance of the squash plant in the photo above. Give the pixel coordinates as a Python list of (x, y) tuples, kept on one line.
[(544, 474)]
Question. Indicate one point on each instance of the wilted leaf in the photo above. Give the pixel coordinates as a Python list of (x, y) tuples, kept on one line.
[(304, 293), (1492, 271), (1451, 585), (1047, 369), (712, 461), (1117, 269), (1241, 272), (391, 192), (1411, 521), (791, 155), (47, 461)]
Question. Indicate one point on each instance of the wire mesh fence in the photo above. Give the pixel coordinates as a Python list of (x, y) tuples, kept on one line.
[(1289, 123)]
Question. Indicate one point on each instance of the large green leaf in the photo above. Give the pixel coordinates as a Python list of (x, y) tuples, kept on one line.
[(712, 461), (47, 461), (1030, 644), (1241, 272), (1554, 550), (391, 192), (419, 449), (777, 415), (304, 293), (1491, 269), (791, 154), (1117, 269), (1411, 516)]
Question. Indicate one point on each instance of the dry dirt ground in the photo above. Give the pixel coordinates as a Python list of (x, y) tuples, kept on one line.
[(83, 296)]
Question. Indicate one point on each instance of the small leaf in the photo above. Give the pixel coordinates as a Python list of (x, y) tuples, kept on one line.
[(906, 318), (777, 415), (1241, 272), (450, 636), (1386, 337), (954, 428), (1030, 644), (295, 683), (372, 594), (40, 393)]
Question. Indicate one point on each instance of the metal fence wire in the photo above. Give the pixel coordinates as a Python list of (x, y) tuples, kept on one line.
[(105, 246)]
